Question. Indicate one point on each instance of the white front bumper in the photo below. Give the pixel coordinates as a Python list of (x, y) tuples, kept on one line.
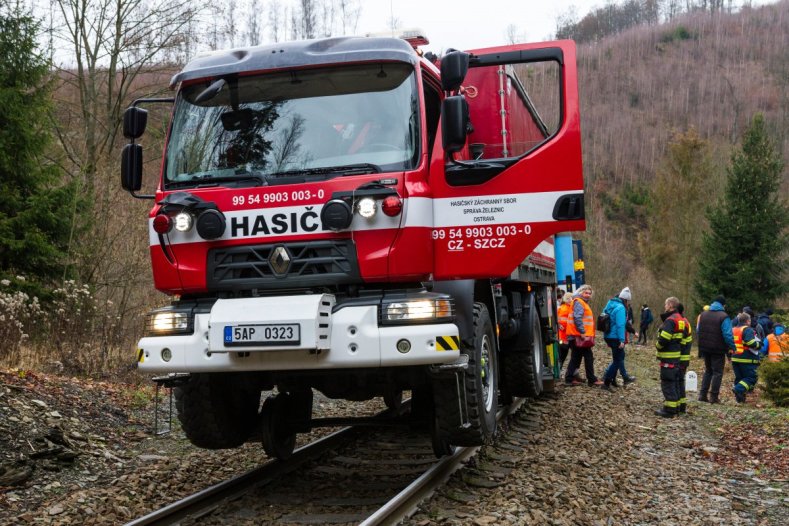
[(356, 340)]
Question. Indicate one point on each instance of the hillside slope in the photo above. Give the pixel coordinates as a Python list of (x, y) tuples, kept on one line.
[(709, 73)]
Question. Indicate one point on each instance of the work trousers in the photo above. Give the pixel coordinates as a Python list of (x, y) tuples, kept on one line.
[(713, 374), (745, 376), (564, 350), (642, 334), (670, 375), (683, 401), (576, 355), (617, 361)]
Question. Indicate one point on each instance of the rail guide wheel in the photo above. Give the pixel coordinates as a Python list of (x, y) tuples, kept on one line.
[(279, 440)]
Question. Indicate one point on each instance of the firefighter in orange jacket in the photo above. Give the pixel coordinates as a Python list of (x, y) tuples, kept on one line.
[(777, 344), (684, 360), (671, 334), (745, 359)]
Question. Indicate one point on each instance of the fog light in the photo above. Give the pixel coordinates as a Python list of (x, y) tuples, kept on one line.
[(167, 354), (366, 207), (403, 346), (183, 222)]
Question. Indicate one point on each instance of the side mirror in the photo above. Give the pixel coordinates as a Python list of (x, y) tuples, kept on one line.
[(454, 123), (134, 121), (454, 67), (131, 167)]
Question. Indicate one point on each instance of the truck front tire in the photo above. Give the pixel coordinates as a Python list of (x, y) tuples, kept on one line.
[(479, 390), (217, 411)]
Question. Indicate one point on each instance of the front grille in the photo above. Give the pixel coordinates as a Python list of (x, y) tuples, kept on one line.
[(309, 264)]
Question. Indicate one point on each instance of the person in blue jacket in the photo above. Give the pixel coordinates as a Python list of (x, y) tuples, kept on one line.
[(616, 308)]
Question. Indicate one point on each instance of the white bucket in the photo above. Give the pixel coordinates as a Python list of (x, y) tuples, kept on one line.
[(691, 381)]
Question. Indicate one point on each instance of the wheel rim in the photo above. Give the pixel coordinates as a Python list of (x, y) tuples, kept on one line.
[(536, 351), (485, 373)]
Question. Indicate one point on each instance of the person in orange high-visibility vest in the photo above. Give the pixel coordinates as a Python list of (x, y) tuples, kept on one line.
[(563, 315), (777, 344), (745, 359), (581, 324)]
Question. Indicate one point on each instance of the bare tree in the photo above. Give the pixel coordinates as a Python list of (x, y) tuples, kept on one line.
[(349, 11), (276, 21), (254, 23)]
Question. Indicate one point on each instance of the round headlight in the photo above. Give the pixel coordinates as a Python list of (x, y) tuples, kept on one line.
[(366, 207), (183, 222)]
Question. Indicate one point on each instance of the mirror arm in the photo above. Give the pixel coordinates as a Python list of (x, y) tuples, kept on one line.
[(142, 196)]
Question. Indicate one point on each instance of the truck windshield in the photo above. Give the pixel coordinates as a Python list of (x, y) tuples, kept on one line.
[(292, 126)]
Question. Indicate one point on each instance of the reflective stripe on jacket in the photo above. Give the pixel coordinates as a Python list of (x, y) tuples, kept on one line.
[(744, 340), (686, 343), (563, 320), (588, 321), (670, 337)]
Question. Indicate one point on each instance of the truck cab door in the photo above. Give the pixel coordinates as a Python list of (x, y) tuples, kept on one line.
[(517, 178)]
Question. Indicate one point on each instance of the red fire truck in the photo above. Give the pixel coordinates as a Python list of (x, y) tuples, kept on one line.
[(351, 216)]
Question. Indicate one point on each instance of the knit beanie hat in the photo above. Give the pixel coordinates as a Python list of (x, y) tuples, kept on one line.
[(625, 294)]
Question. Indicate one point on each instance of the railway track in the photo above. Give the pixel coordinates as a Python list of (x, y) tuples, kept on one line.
[(357, 475)]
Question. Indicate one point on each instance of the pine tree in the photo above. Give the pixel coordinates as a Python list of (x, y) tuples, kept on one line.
[(744, 255), (34, 218)]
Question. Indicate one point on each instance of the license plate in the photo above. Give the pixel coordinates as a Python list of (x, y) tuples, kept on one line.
[(262, 335)]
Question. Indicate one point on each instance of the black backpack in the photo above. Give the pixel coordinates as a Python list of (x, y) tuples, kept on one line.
[(604, 322)]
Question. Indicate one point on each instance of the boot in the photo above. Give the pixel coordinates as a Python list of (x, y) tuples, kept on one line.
[(629, 380), (703, 397), (740, 397), (607, 385), (665, 413), (715, 399)]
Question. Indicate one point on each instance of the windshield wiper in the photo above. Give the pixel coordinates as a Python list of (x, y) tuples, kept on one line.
[(210, 180), (348, 169)]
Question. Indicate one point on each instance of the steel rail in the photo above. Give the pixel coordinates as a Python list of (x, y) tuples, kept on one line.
[(405, 503), (207, 499)]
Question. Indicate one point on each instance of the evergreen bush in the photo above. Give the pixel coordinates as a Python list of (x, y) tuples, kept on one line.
[(775, 376)]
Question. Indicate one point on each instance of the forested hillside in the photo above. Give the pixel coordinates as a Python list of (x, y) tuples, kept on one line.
[(662, 108)]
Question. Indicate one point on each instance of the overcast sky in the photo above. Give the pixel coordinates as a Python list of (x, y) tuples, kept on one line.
[(468, 24)]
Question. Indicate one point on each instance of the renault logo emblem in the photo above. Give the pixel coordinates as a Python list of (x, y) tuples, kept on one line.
[(279, 260)]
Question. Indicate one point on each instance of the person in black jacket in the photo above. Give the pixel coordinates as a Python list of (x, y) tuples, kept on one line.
[(715, 339), (646, 320)]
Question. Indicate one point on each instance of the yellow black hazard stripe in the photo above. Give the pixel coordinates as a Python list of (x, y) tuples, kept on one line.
[(447, 343), (140, 355)]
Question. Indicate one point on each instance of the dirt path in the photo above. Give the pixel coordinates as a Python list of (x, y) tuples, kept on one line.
[(603, 458)]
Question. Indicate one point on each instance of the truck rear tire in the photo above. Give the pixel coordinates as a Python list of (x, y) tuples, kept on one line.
[(481, 390), (216, 411), (522, 368)]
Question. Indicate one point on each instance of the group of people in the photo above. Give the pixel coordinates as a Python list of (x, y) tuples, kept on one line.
[(577, 326), (745, 341)]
